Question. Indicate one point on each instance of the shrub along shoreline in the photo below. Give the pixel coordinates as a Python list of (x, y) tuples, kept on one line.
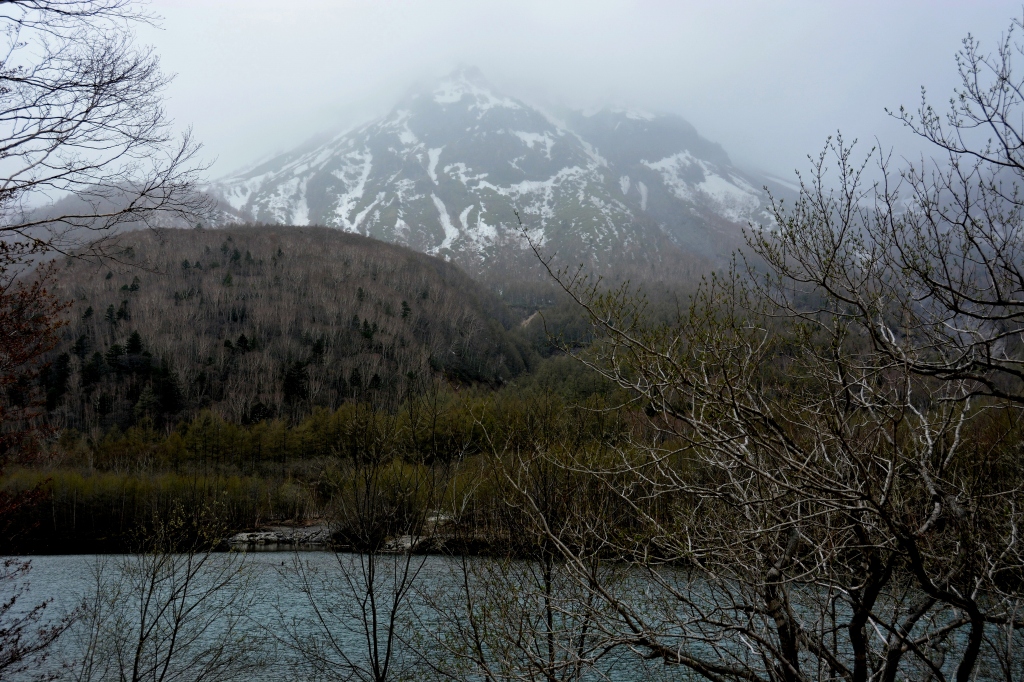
[(103, 493)]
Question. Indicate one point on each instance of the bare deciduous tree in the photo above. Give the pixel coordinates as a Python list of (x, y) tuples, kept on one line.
[(85, 143), (832, 490), (929, 260), (809, 508), (25, 635), (517, 613), (85, 148), (362, 603)]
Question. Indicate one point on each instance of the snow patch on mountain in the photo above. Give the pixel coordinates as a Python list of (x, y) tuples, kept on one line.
[(631, 114), (285, 197), (735, 197), (238, 195), (792, 186), (620, 181), (530, 139), (462, 172), (541, 193), (405, 190), (451, 233), (399, 122), (464, 215), (407, 137), (483, 233), (361, 216), (300, 214), (638, 115), (732, 195), (434, 156), (354, 173), (454, 90)]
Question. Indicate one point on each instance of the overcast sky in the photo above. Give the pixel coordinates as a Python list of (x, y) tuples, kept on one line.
[(767, 80)]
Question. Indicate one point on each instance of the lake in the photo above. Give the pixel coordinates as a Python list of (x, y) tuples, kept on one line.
[(266, 614), (315, 615)]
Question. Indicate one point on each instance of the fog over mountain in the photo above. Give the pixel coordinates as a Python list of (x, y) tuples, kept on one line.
[(445, 171), (769, 81)]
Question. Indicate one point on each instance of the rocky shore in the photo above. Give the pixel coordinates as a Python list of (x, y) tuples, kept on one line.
[(438, 537), (268, 538)]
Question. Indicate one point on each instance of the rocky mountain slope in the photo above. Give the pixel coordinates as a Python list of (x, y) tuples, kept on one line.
[(444, 172)]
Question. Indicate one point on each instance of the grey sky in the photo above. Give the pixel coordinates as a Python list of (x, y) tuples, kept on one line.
[(768, 80)]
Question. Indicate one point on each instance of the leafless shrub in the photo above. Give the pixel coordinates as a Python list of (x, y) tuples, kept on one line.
[(176, 611)]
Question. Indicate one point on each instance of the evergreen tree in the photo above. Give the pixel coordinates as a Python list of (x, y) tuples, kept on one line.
[(147, 404), (81, 347), (92, 371), (115, 356), (134, 346), (295, 382), (55, 378)]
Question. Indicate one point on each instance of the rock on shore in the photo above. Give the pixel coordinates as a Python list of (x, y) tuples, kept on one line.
[(273, 537)]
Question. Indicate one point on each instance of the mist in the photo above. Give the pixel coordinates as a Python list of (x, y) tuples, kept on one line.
[(768, 81)]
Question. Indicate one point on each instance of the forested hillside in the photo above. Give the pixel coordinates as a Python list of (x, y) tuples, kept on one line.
[(259, 323)]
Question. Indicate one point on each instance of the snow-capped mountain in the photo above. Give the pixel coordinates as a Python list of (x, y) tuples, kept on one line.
[(445, 170)]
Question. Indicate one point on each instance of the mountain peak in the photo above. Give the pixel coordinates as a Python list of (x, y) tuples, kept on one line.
[(468, 86), (447, 170), (471, 74), (629, 113)]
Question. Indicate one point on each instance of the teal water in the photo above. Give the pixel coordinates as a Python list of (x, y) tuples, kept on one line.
[(282, 631), (303, 616)]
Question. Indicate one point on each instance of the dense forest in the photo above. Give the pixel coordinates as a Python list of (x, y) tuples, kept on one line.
[(236, 366), (258, 323)]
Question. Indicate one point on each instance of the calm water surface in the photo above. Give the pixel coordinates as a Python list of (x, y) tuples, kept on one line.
[(279, 611)]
